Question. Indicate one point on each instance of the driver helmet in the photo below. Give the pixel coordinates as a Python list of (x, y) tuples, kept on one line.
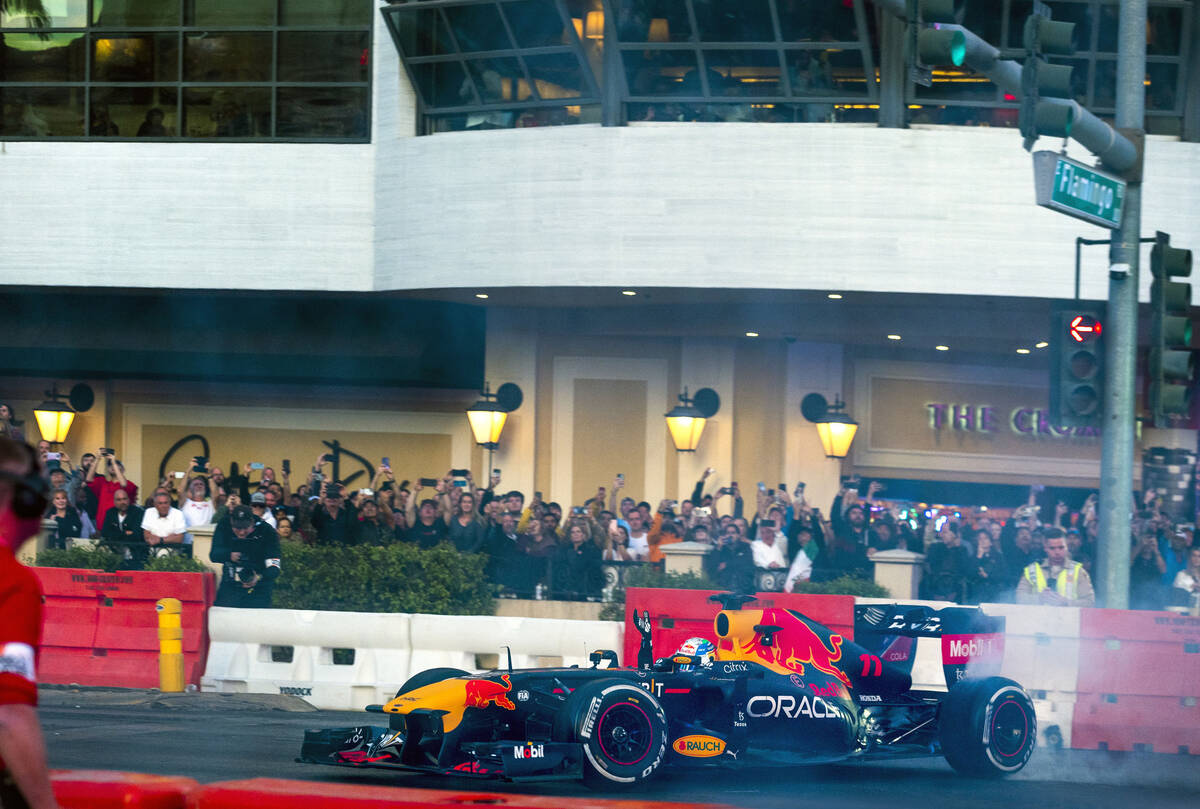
[(697, 647)]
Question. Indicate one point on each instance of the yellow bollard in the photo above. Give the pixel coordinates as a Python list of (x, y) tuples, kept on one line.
[(170, 644)]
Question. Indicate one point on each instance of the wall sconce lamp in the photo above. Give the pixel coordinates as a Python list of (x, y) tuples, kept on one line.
[(835, 428), (594, 25), (488, 416), (686, 421), (54, 417)]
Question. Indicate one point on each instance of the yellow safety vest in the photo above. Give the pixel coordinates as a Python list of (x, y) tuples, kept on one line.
[(1064, 584)]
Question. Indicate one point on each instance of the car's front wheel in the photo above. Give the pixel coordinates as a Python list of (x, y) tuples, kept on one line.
[(623, 730), (987, 727)]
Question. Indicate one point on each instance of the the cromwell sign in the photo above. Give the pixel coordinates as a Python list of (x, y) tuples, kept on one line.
[(1030, 421), (959, 422)]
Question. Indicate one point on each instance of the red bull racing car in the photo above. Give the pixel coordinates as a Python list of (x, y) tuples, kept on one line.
[(773, 687)]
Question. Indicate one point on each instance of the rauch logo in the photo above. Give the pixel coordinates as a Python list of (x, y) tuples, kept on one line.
[(699, 746)]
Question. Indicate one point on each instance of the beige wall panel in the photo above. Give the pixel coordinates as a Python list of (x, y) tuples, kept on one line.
[(760, 377), (707, 364), (412, 455), (812, 368), (630, 358), (512, 357), (654, 375), (370, 434), (605, 442)]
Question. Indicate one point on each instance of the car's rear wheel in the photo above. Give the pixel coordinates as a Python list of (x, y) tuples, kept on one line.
[(987, 727), (623, 730), (427, 677)]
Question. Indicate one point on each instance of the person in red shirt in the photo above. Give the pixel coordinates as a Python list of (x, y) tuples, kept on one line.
[(106, 485), (24, 778)]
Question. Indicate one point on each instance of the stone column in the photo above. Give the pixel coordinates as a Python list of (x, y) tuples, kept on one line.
[(202, 537), (900, 572), (28, 552), (685, 557)]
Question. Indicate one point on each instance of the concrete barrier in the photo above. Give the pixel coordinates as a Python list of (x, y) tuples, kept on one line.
[(347, 660)]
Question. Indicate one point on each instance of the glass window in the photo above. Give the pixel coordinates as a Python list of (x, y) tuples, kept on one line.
[(743, 73), (48, 58), (136, 57), (1162, 89), (227, 112), (661, 73), (499, 80), (135, 13), (653, 21), (1164, 33), (326, 12), (324, 56), (322, 112), (229, 12), (444, 84), (131, 79), (828, 72), (478, 28), (557, 75), (128, 112), (817, 21), (227, 57), (734, 21), (61, 14), (41, 112), (953, 84), (424, 33), (536, 23)]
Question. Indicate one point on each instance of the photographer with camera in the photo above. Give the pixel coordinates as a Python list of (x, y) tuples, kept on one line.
[(248, 551)]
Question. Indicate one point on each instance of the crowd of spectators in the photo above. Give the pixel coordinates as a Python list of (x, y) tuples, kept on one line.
[(770, 540)]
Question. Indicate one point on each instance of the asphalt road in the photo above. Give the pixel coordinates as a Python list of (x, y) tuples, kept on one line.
[(215, 737)]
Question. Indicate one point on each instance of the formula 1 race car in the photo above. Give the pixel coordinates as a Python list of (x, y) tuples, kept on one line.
[(776, 688)]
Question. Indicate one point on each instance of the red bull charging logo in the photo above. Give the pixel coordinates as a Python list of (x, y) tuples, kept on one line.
[(482, 693), (794, 646)]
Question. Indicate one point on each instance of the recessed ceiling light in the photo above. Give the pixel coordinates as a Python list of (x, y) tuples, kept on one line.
[(628, 292), (834, 296), (1022, 350), (481, 295), (751, 334), (1040, 344), (893, 337), (942, 348)]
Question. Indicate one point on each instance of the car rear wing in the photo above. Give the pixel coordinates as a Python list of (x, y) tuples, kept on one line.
[(972, 643)]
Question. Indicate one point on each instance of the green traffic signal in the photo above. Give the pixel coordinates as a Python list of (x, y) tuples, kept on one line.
[(940, 46)]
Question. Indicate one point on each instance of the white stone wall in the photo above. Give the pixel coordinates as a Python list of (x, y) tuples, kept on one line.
[(808, 206)]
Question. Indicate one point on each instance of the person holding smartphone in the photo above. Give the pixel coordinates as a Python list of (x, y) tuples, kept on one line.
[(103, 484)]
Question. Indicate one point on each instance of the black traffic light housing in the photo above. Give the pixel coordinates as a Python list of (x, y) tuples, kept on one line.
[(1171, 358), (1077, 364), (1041, 79)]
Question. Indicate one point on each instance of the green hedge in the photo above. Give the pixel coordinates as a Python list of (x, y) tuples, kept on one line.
[(392, 578), (83, 558)]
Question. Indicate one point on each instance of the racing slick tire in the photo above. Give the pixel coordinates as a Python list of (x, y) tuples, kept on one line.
[(424, 678), (987, 728), (623, 730)]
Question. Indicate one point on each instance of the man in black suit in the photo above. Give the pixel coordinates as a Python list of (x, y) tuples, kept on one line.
[(122, 531)]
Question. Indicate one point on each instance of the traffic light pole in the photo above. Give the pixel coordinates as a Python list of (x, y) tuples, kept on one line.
[(1116, 462)]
